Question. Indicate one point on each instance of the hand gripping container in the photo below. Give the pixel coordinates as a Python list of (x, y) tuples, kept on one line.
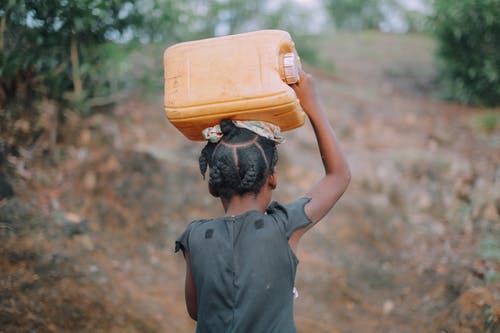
[(241, 77)]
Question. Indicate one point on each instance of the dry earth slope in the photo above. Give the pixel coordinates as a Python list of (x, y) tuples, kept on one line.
[(86, 241)]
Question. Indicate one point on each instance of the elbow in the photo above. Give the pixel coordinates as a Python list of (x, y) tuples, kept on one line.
[(339, 180), (340, 175), (344, 180), (347, 176), (344, 177)]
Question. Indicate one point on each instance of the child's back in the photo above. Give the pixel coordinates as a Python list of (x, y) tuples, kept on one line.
[(244, 269), (241, 268)]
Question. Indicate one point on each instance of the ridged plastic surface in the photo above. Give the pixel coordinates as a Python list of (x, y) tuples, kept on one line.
[(240, 77)]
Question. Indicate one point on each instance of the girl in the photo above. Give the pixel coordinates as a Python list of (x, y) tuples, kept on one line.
[(240, 268)]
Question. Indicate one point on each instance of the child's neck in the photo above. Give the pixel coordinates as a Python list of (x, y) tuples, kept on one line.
[(238, 205)]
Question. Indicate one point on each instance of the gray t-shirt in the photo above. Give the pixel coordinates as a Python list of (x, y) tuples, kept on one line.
[(244, 269)]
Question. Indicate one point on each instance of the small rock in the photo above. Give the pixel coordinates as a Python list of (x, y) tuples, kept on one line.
[(93, 268), (74, 224), (388, 307)]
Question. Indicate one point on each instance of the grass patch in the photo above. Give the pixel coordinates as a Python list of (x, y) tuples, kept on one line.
[(487, 121)]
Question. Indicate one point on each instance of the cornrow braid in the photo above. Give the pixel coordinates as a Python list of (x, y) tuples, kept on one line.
[(205, 155), (240, 163)]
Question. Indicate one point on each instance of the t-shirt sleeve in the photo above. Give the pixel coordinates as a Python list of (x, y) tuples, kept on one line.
[(290, 216), (182, 242)]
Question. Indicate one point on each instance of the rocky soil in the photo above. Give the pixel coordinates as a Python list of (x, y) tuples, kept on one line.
[(90, 208)]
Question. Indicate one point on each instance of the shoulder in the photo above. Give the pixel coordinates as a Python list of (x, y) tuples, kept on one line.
[(290, 216), (195, 224), (182, 242), (278, 208)]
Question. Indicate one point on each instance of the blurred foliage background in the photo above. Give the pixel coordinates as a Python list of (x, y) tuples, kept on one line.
[(78, 52), (468, 34)]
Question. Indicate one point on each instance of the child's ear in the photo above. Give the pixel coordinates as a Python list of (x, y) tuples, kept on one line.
[(213, 191), (273, 180)]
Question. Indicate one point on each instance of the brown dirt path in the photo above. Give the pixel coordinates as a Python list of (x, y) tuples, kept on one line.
[(404, 250)]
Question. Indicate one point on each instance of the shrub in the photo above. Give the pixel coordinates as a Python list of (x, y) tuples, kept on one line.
[(72, 51), (468, 35)]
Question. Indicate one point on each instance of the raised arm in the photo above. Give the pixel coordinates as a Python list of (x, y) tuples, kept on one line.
[(337, 174)]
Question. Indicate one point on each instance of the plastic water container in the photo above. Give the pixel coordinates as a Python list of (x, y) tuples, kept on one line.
[(240, 77)]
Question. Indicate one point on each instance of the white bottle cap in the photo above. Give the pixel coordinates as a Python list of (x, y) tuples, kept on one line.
[(290, 68)]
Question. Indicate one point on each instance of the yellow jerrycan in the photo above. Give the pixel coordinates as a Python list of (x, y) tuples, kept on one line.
[(240, 77)]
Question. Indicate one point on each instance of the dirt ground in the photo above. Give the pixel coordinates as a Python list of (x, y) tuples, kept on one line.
[(87, 232)]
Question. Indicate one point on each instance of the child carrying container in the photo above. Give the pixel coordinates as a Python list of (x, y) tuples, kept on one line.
[(240, 267)]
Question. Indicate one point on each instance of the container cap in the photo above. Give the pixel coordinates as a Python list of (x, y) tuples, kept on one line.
[(291, 68)]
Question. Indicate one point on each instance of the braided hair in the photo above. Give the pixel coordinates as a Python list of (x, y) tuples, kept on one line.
[(240, 163)]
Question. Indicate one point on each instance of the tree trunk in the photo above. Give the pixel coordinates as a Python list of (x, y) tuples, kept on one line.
[(77, 83), (3, 27)]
